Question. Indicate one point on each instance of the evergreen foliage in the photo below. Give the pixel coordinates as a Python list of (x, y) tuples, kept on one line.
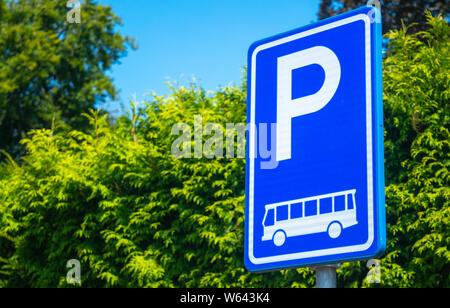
[(395, 13)]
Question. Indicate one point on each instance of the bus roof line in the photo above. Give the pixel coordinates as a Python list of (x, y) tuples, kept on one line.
[(346, 192)]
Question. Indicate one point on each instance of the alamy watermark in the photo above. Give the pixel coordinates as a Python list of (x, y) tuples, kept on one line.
[(374, 17), (74, 14), (74, 274), (374, 274), (189, 143)]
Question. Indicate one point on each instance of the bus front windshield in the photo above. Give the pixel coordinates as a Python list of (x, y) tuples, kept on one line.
[(270, 218)]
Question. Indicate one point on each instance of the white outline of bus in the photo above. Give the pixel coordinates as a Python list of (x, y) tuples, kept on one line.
[(332, 222)]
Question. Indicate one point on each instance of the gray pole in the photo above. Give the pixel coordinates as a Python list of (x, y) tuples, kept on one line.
[(326, 276)]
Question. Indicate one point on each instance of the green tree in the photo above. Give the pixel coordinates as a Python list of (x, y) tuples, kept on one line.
[(417, 158), (395, 13), (51, 69)]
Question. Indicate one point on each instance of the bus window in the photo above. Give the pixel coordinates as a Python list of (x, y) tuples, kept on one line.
[(350, 202), (311, 208), (283, 212), (270, 218), (339, 203), (326, 205), (296, 210)]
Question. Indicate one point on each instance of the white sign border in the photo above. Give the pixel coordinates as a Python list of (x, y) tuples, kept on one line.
[(252, 134)]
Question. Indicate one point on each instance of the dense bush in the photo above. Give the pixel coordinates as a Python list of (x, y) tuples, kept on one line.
[(135, 216), (117, 200)]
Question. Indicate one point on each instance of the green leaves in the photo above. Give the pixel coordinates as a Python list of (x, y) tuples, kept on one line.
[(416, 83), (124, 206), (116, 198), (51, 70)]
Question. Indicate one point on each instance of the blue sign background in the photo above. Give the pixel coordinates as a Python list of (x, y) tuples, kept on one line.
[(329, 147)]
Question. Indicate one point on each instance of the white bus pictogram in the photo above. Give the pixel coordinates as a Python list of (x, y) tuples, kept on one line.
[(329, 213)]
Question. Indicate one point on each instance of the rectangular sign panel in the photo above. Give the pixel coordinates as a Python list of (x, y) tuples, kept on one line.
[(315, 104)]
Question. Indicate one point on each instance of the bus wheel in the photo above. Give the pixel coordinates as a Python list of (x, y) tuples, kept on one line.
[(334, 229), (279, 238)]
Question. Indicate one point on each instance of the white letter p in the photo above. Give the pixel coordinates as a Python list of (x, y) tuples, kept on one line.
[(288, 108)]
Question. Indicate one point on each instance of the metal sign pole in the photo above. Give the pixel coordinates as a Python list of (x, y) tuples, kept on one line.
[(326, 276)]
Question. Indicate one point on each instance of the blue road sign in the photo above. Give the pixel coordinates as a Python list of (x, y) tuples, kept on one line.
[(319, 198)]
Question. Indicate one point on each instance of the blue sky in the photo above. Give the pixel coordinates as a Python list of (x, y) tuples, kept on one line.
[(205, 39)]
